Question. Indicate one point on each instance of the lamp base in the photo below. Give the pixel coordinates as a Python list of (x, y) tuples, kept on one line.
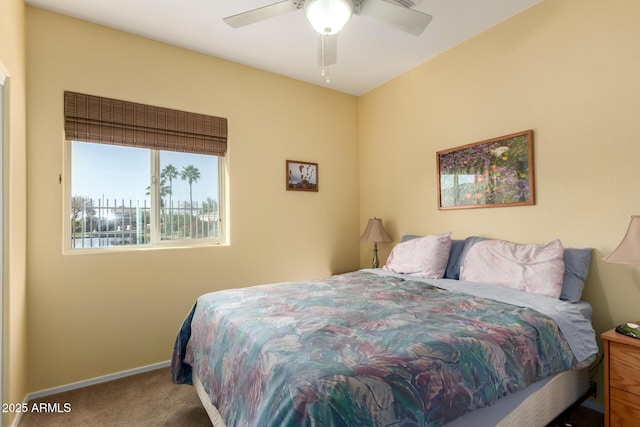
[(375, 261)]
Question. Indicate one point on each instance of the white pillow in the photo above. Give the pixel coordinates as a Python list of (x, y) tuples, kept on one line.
[(537, 269), (425, 256)]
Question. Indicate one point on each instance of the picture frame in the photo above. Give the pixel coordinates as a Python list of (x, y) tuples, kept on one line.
[(491, 173), (302, 176)]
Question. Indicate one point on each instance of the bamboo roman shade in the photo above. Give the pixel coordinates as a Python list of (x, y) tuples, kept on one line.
[(109, 121)]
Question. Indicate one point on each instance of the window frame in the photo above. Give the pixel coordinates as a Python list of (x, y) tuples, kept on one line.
[(101, 120), (3, 137), (155, 240)]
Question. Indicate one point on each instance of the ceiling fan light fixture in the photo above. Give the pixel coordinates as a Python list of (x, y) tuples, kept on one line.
[(328, 16)]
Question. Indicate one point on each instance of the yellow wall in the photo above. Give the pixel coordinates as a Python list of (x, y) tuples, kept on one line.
[(96, 314), (14, 333), (569, 70)]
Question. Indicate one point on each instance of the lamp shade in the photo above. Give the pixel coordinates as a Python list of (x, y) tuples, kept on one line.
[(328, 16), (375, 232), (628, 251)]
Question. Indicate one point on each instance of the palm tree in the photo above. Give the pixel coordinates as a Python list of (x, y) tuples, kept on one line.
[(164, 190), (191, 174), (170, 172)]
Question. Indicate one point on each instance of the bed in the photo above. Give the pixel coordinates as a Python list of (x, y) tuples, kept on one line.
[(387, 347)]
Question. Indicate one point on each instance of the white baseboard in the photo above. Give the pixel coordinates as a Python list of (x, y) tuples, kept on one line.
[(16, 420), (89, 382), (97, 380)]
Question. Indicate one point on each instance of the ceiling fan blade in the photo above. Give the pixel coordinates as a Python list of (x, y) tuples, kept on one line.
[(261, 13), (328, 50), (399, 17)]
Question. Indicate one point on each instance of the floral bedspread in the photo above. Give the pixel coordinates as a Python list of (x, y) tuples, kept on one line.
[(361, 349)]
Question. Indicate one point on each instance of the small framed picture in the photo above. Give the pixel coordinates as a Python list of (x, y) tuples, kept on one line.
[(302, 176)]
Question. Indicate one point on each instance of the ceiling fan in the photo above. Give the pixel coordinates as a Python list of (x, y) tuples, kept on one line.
[(328, 17)]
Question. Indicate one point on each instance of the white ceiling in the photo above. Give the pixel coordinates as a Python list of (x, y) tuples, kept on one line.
[(369, 53)]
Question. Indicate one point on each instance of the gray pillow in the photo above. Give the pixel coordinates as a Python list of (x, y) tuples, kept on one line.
[(454, 272), (576, 270), (453, 265)]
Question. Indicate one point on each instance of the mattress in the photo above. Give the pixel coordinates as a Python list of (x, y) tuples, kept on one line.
[(539, 404)]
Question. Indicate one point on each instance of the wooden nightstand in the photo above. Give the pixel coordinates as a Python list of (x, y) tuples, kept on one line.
[(621, 379)]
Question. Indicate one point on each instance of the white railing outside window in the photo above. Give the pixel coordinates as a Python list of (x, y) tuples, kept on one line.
[(104, 223)]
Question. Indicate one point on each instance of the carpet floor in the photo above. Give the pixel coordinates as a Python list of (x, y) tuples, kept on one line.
[(147, 399), (151, 399)]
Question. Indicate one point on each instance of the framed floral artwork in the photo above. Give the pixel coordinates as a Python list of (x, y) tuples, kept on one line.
[(302, 176), (491, 173)]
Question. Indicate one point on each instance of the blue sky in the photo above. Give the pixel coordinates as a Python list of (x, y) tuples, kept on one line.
[(112, 172)]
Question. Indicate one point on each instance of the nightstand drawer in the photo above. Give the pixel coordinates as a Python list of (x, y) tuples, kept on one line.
[(624, 409), (623, 367)]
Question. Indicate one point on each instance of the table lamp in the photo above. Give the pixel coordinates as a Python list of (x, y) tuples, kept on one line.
[(375, 233), (628, 252)]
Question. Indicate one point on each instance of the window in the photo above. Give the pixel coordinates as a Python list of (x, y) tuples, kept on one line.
[(140, 177)]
